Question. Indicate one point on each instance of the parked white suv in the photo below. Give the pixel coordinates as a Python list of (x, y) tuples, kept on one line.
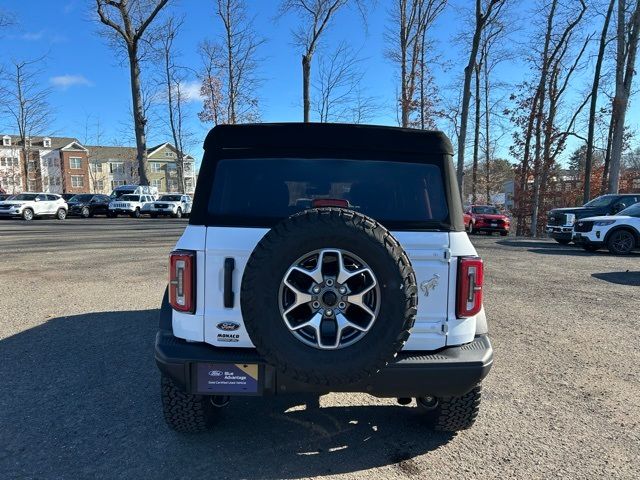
[(131, 205), (322, 258), (620, 233), (31, 205), (175, 205)]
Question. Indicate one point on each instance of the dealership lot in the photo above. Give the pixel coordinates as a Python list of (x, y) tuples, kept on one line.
[(79, 391)]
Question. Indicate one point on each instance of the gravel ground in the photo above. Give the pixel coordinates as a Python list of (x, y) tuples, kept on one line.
[(79, 390)]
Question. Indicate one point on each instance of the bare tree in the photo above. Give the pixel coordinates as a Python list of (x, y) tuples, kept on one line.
[(129, 20), (26, 105), (229, 76), (484, 12), (315, 17), (411, 20), (627, 46), (338, 96), (597, 73), (173, 80)]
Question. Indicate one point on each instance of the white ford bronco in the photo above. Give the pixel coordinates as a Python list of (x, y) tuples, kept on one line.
[(324, 258)]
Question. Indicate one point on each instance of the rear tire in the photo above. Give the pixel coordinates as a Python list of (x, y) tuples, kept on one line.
[(454, 413), (178, 213), (621, 242), (61, 214), (86, 213), (136, 213), (184, 412), (27, 214)]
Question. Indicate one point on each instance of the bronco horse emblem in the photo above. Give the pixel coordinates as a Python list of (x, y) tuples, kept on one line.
[(430, 284)]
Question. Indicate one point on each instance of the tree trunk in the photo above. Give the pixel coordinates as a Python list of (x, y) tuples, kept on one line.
[(487, 143), (539, 117), (466, 91), (306, 76), (230, 63), (625, 69), (594, 103), (139, 119), (476, 138)]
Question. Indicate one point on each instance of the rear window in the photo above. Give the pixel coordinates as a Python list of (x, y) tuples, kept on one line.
[(259, 192), (486, 210)]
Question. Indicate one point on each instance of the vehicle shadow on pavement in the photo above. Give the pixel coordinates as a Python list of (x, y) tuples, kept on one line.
[(79, 398), (620, 278)]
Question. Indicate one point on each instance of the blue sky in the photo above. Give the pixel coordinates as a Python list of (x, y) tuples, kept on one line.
[(90, 85)]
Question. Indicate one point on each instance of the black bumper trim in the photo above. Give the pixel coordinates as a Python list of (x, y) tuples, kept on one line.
[(451, 371)]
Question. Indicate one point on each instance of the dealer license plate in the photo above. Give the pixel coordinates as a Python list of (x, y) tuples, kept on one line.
[(229, 378)]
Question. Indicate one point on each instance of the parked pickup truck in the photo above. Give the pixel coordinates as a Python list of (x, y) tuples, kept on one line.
[(560, 221)]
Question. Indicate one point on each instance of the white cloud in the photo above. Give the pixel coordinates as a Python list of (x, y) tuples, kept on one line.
[(67, 81), (32, 36), (191, 91)]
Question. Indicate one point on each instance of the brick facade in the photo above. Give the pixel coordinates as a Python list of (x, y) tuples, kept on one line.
[(75, 180)]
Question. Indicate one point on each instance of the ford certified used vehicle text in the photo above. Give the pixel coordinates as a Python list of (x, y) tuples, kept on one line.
[(324, 258), (560, 221), (31, 205), (619, 233)]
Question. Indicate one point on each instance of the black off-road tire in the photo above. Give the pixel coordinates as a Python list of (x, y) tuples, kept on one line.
[(455, 413), (317, 229), (184, 412)]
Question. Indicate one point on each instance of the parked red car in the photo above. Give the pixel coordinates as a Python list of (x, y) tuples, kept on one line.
[(486, 218)]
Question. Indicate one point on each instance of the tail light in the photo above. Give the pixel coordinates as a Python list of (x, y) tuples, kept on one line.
[(470, 280), (182, 280)]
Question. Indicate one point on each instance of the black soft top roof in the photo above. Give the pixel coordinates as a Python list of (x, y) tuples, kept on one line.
[(327, 136)]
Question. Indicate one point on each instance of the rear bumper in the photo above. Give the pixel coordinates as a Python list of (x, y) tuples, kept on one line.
[(451, 371)]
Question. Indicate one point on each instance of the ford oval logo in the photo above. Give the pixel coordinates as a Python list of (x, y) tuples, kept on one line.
[(215, 373), (228, 326)]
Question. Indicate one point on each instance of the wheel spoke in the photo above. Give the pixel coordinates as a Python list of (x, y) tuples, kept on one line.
[(301, 297), (314, 322), (343, 322), (357, 299)]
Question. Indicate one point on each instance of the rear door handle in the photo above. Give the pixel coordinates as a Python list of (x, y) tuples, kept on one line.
[(228, 295)]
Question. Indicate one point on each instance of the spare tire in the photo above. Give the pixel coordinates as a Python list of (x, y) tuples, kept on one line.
[(328, 296)]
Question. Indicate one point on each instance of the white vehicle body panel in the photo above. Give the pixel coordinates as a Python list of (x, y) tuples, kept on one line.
[(599, 232), (432, 254), (169, 206), (40, 207)]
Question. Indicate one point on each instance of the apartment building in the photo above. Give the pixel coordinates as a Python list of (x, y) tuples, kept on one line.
[(111, 167), (64, 165), (53, 164)]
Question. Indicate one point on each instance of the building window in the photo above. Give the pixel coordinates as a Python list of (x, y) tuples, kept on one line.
[(100, 185), (46, 141), (77, 181), (32, 185), (6, 141), (635, 184), (155, 167), (8, 161), (75, 163), (31, 165), (172, 185), (96, 167), (117, 167), (156, 183), (116, 183), (168, 154), (188, 183), (188, 167)]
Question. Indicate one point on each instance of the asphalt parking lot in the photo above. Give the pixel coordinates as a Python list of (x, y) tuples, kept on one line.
[(79, 392)]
